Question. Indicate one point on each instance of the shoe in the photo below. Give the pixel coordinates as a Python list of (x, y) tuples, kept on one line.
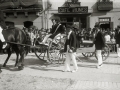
[(75, 70), (4, 46), (66, 71), (54, 44), (40, 42), (118, 56), (99, 66), (44, 43)]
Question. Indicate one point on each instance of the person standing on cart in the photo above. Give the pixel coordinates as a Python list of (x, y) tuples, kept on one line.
[(99, 45), (2, 26), (57, 29)]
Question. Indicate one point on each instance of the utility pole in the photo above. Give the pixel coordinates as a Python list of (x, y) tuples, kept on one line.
[(45, 13)]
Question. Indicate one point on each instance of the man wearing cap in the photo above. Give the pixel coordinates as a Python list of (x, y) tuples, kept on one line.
[(99, 45), (70, 49), (57, 29), (2, 26)]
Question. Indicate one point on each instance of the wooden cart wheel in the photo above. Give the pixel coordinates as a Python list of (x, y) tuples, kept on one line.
[(54, 54), (41, 51), (88, 54), (105, 53)]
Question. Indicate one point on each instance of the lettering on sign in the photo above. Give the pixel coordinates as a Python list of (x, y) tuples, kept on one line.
[(73, 9)]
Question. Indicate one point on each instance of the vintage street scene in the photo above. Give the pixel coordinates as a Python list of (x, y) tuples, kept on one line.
[(59, 45)]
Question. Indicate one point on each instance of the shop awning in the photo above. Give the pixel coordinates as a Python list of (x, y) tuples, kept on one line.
[(73, 14), (5, 4)]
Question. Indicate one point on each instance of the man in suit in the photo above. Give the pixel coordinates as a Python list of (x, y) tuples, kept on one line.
[(99, 45), (70, 49), (2, 26), (57, 29), (117, 38)]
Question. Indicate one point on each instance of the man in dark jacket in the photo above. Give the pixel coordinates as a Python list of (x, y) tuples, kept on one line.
[(117, 38), (99, 45), (70, 49), (57, 29), (2, 26)]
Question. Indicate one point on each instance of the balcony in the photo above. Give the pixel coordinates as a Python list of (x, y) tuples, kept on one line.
[(105, 6)]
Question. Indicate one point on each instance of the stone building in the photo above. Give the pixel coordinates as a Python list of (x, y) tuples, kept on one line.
[(83, 13)]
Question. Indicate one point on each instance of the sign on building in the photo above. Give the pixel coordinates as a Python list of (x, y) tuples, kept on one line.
[(73, 9)]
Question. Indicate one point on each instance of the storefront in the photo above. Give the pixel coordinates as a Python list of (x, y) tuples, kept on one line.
[(72, 13), (86, 13)]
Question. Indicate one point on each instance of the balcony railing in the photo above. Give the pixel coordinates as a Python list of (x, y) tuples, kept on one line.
[(105, 6)]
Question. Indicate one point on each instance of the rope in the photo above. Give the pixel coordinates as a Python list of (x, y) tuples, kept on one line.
[(26, 44)]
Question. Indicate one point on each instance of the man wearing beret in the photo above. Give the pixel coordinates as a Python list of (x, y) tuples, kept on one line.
[(70, 49)]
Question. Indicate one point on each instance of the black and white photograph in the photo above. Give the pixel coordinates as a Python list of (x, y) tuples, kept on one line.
[(59, 44)]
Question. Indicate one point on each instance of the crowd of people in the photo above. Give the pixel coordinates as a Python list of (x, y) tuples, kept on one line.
[(89, 34), (85, 34)]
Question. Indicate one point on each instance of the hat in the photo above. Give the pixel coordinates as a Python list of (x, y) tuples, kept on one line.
[(75, 26), (68, 26), (118, 26), (55, 18), (10, 24), (97, 25), (27, 24)]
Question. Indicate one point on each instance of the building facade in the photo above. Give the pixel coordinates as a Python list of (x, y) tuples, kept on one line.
[(20, 11), (83, 13), (86, 13)]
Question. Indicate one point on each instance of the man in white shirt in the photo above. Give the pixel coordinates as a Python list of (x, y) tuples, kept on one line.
[(107, 37)]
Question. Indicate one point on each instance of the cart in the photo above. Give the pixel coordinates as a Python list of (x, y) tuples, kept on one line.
[(52, 54), (49, 53), (88, 50)]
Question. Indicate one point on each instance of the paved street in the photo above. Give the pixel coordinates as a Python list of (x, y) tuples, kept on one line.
[(88, 76)]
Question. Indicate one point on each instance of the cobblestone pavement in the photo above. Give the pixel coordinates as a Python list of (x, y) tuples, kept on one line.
[(37, 76), (20, 82)]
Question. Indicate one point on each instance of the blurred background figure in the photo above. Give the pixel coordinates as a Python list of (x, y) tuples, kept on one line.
[(107, 37), (117, 37)]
